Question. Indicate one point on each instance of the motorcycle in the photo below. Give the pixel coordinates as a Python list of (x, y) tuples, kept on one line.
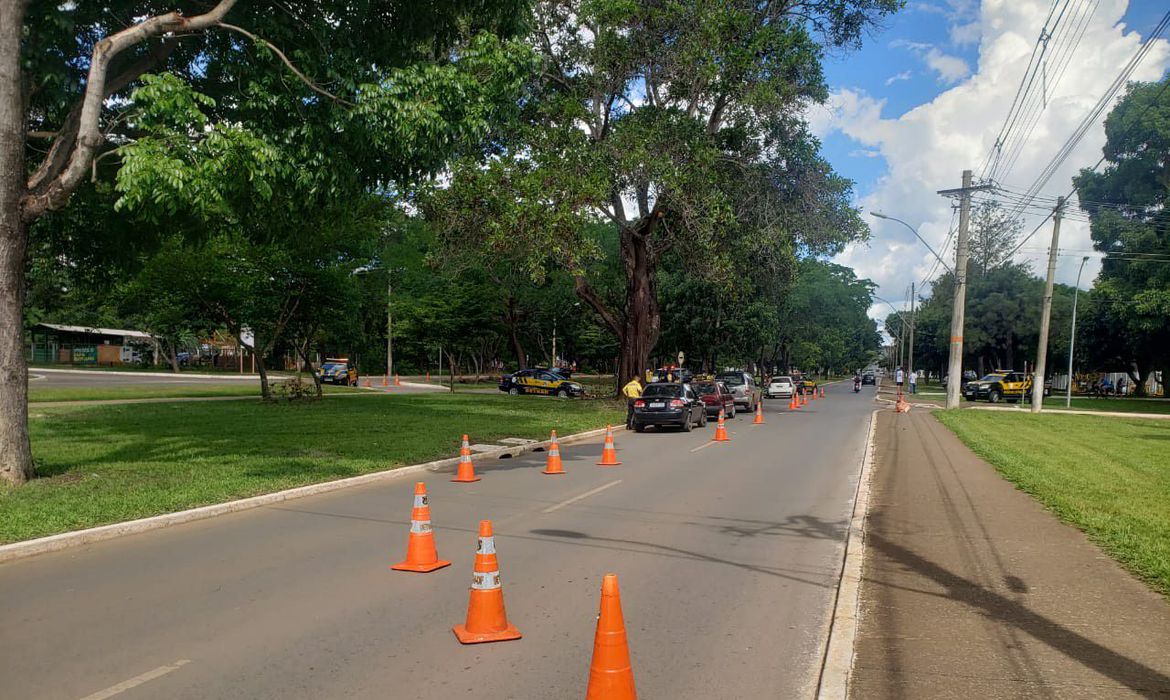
[(856, 386)]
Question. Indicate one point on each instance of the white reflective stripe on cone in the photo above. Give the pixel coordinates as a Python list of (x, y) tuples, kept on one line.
[(487, 545), (419, 527), (420, 500), (485, 582)]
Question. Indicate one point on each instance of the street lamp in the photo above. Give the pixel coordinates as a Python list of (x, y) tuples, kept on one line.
[(1072, 338), (913, 230)]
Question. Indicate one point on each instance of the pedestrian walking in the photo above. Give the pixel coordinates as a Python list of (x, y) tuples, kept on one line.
[(899, 376), (914, 381), (633, 391)]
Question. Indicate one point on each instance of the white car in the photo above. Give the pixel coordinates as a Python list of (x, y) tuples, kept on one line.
[(780, 388)]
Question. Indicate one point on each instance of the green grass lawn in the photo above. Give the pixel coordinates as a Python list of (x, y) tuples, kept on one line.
[(105, 464), (38, 393), (1126, 405), (1110, 477)]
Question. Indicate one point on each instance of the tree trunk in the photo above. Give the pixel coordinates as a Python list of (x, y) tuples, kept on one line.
[(265, 389), (512, 321), (16, 465), (307, 364)]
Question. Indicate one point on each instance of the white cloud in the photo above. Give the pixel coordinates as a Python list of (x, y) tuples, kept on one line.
[(926, 148), (898, 77), (950, 69), (865, 153)]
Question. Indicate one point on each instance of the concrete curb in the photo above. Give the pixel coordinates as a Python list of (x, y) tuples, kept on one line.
[(838, 662), (77, 538)]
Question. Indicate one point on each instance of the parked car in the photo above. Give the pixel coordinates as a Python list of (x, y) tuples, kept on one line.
[(716, 396), (780, 388), (743, 386), (540, 381), (868, 378), (1001, 385), (669, 404), (338, 370), (808, 385)]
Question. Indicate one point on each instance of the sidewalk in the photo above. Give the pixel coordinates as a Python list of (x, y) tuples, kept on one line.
[(971, 589)]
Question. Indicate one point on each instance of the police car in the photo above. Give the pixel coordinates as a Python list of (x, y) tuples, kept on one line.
[(337, 370), (540, 381), (998, 386)]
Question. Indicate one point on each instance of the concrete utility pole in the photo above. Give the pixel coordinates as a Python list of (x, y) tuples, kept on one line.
[(1072, 336), (955, 365), (1046, 313), (910, 346), (389, 326)]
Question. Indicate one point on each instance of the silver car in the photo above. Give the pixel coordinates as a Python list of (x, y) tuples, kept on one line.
[(743, 388)]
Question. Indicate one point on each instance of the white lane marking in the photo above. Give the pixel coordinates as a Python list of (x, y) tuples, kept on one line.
[(34, 377), (705, 444), (136, 681), (574, 499)]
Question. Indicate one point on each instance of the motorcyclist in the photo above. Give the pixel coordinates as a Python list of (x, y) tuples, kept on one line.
[(856, 382)]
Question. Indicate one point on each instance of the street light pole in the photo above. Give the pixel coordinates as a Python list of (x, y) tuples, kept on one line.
[(913, 230), (1072, 336)]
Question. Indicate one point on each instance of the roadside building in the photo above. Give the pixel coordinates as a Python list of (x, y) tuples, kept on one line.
[(53, 343)]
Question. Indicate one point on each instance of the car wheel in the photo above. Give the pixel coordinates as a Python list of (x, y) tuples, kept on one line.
[(563, 393), (994, 396), (639, 428), (703, 420), (731, 413), (687, 424), (514, 391)]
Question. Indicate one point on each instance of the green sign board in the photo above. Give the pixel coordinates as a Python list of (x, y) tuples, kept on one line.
[(85, 355)]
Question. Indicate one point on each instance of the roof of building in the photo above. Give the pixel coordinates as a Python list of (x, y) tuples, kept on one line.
[(95, 331)]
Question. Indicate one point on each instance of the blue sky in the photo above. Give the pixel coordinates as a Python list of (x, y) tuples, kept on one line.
[(891, 64), (925, 97)]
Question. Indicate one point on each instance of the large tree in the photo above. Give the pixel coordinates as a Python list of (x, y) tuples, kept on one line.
[(678, 123), (333, 95), (1128, 203)]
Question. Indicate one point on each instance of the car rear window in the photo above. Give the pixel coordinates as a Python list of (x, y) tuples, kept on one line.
[(705, 388), (734, 379), (782, 380), (663, 390)]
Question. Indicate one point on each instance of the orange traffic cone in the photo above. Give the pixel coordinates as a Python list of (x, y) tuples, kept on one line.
[(804, 399), (385, 381), (759, 420), (721, 429), (609, 452), (466, 472), (822, 392), (428, 376), (397, 381), (792, 405), (486, 619), (611, 677), (367, 382), (553, 466), (814, 394), (421, 555)]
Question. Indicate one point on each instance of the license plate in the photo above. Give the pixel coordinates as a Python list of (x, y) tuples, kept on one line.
[(657, 404)]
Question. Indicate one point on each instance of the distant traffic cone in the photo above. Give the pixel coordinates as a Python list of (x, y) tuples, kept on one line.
[(720, 429), (367, 382), (804, 399), (397, 381), (553, 465), (759, 420), (466, 472), (428, 376), (611, 676), (386, 380), (793, 404), (814, 394), (486, 619), (609, 452), (421, 555), (822, 392)]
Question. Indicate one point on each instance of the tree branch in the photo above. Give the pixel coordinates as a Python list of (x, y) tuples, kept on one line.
[(587, 294), (56, 192), (289, 64)]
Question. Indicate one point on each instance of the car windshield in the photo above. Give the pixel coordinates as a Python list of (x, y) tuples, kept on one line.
[(331, 366), (662, 391), (706, 388), (735, 379), (992, 378)]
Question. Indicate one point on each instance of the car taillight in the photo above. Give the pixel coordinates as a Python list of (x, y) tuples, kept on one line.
[(639, 404), (676, 403)]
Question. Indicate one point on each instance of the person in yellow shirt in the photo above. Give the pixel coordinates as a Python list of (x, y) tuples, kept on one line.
[(632, 390)]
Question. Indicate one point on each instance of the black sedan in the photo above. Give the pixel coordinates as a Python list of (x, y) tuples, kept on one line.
[(868, 378), (669, 404)]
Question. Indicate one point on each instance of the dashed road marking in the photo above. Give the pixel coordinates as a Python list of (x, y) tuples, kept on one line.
[(574, 499), (136, 681)]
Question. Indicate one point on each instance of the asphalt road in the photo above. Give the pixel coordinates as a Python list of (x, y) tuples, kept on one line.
[(727, 553)]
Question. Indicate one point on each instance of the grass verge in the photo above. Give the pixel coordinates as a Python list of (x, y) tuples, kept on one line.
[(106, 464), (1110, 477), (1125, 405)]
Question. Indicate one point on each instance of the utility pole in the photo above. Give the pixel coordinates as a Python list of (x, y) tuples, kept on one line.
[(1046, 313), (955, 365), (389, 326), (913, 322), (1072, 336)]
